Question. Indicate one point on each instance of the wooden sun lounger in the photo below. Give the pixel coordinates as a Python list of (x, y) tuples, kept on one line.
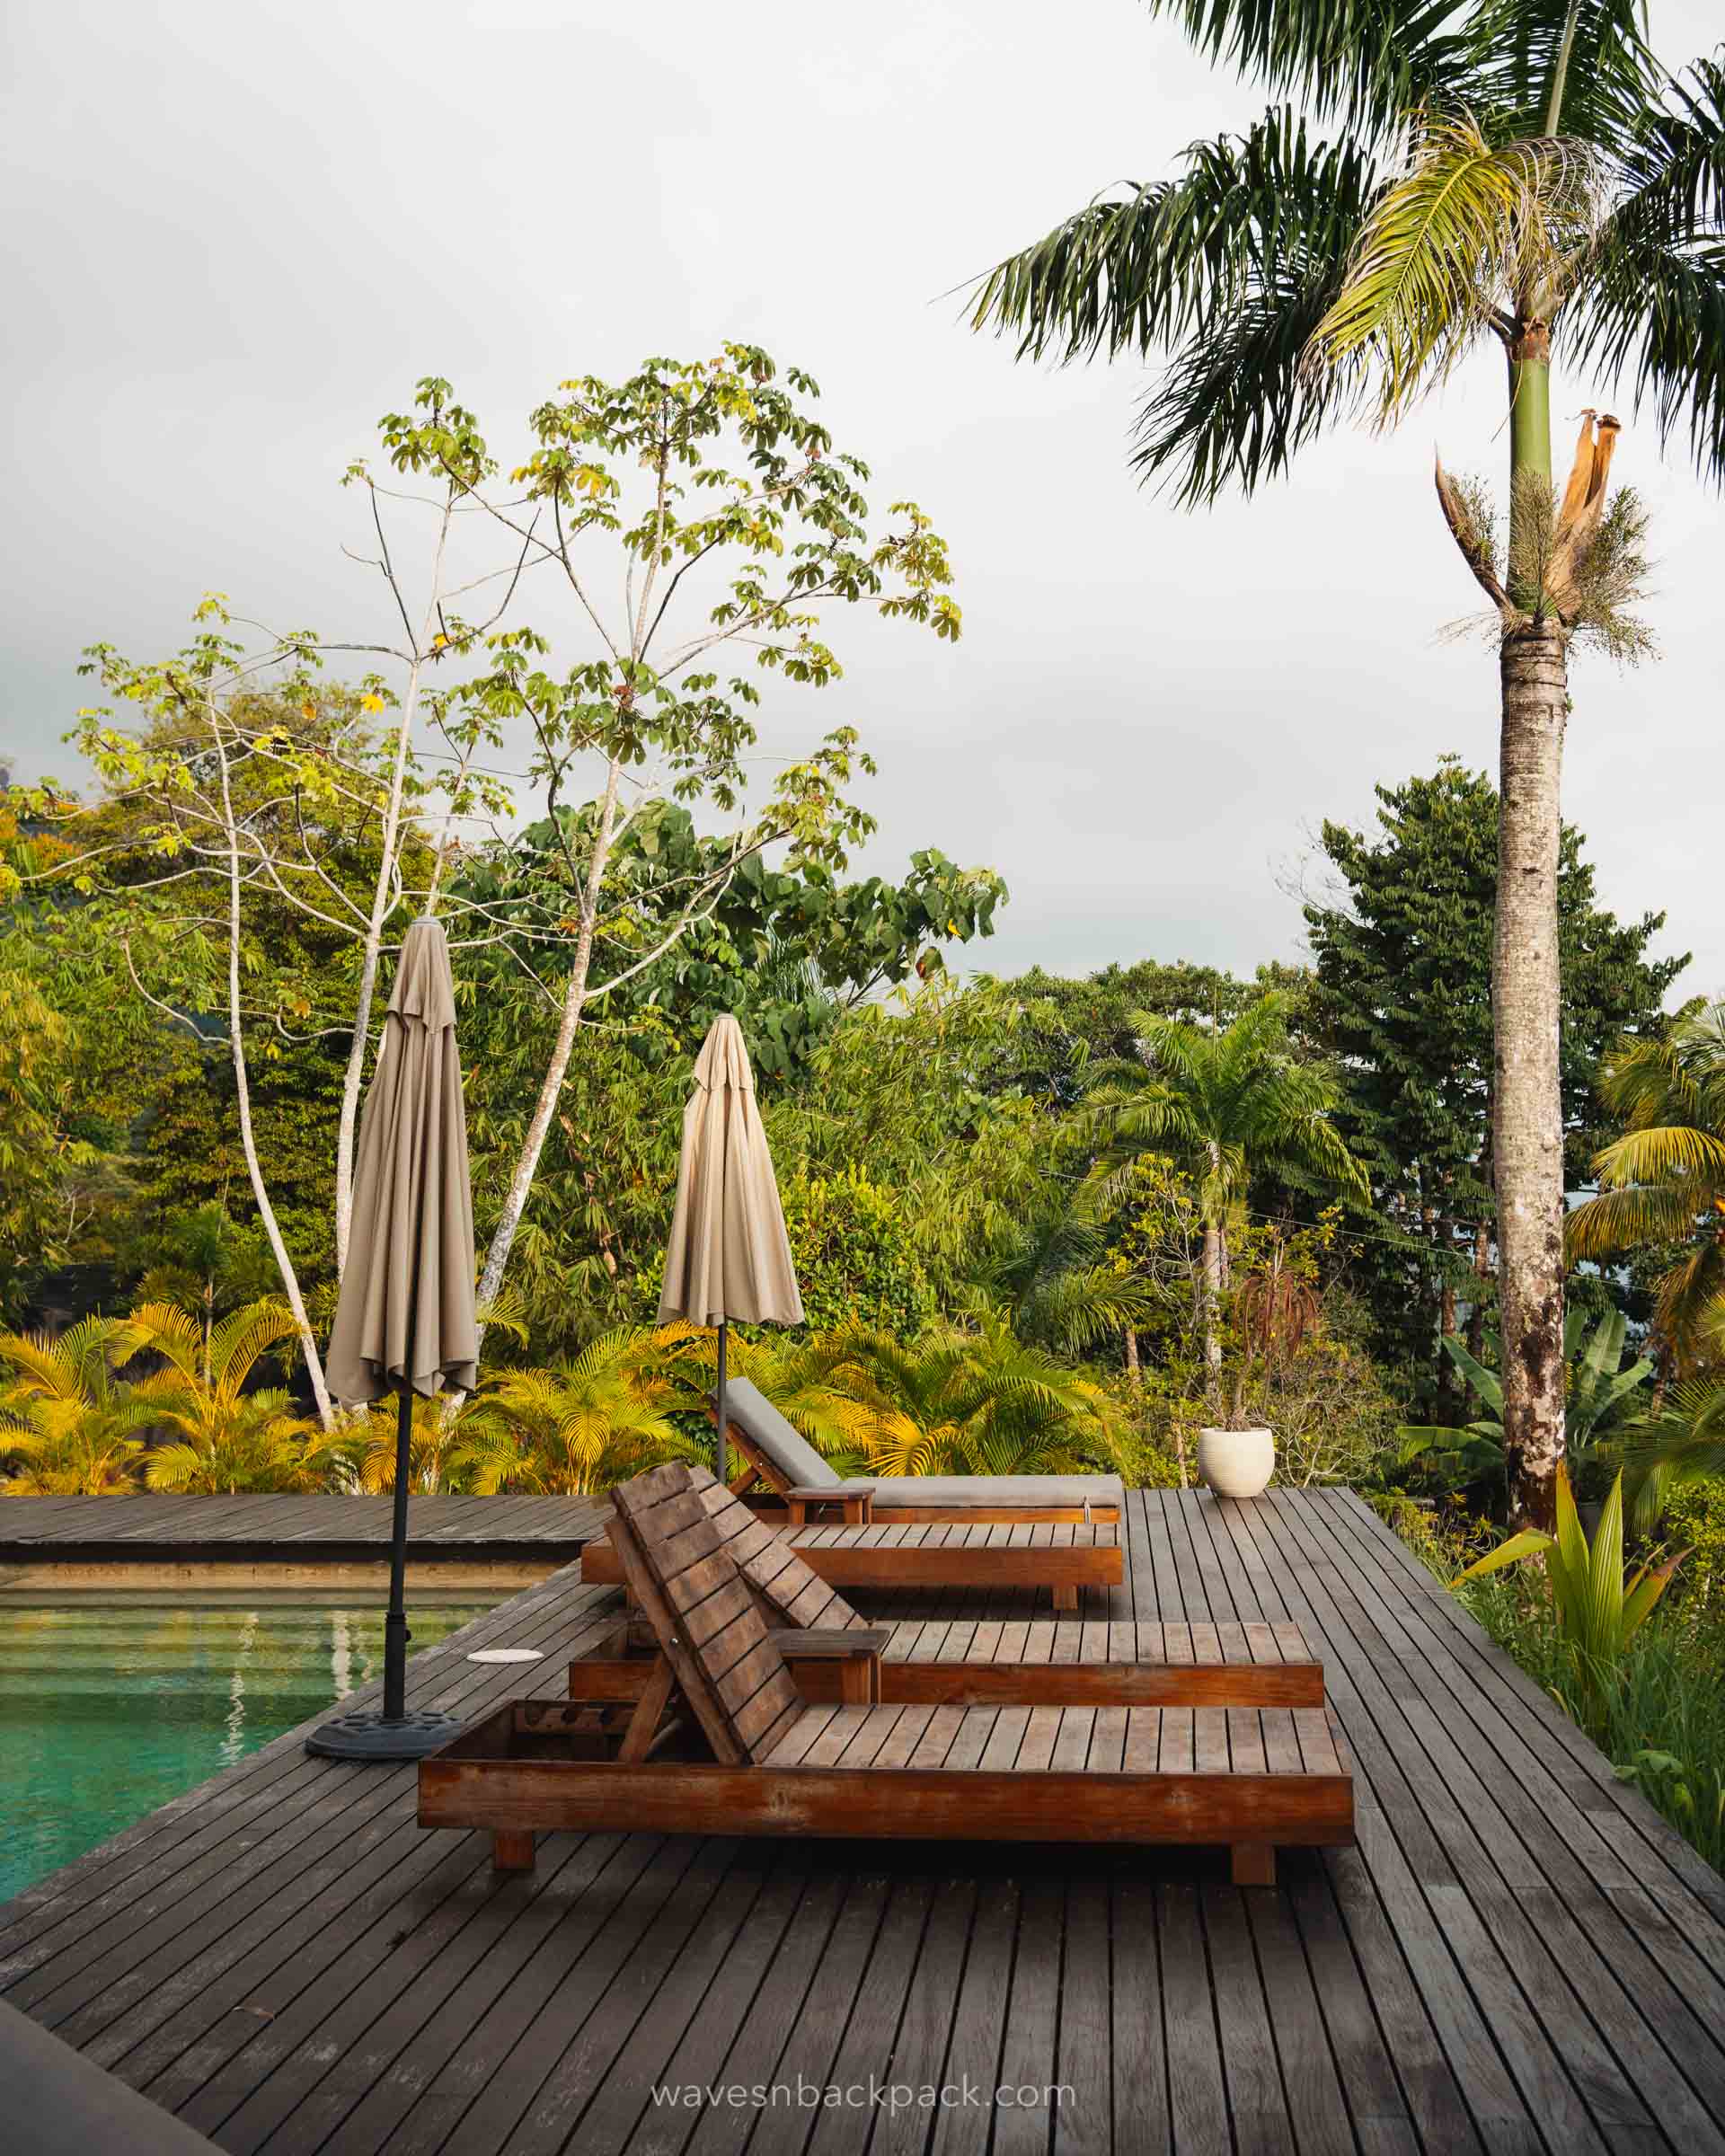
[(1035, 1769), (1056, 1555), (858, 1503), (835, 1654)]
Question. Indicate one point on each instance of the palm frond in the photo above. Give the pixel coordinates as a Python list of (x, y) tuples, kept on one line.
[(1594, 53), (1227, 270), (1616, 1220), (1467, 225), (1364, 61), (1652, 309)]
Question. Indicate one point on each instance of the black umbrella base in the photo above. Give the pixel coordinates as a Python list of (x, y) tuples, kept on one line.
[(366, 1735)]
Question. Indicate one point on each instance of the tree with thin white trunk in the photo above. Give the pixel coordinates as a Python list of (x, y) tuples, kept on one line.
[(692, 517)]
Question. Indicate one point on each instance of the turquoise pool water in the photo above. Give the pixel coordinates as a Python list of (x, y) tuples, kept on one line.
[(109, 1706)]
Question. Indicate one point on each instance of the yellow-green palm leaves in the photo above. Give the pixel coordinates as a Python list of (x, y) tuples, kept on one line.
[(1663, 1180), (969, 1402), (223, 1438), (67, 1425), (1598, 1611), (1467, 233), (581, 1426)]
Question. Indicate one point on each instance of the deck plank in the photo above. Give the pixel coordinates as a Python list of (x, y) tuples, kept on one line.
[(1519, 1956)]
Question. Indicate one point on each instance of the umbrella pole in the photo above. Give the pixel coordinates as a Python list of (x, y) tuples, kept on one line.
[(391, 1733), (723, 1461), (395, 1633)]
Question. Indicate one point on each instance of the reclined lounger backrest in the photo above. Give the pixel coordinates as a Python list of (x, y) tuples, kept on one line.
[(753, 1413), (709, 1626), (788, 1592)]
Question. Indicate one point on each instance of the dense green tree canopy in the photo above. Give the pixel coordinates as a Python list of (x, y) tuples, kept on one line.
[(1401, 996)]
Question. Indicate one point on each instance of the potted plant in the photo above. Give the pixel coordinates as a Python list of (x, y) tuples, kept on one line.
[(1237, 1457)]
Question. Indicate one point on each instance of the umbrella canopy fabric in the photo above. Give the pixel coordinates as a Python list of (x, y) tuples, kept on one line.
[(406, 1307), (728, 1255)]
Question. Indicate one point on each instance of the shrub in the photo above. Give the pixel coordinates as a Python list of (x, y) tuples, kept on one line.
[(1695, 1520), (856, 1256)]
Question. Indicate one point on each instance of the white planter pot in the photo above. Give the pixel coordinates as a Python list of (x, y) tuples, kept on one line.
[(1236, 1463)]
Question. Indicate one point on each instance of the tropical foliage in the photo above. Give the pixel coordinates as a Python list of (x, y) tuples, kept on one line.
[(1224, 1104), (1663, 1180), (1599, 1606), (220, 1438), (579, 1426), (68, 1428), (1597, 1391)]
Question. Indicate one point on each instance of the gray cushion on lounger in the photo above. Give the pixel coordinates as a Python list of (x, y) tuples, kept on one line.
[(952, 1493), (798, 1461), (785, 1447)]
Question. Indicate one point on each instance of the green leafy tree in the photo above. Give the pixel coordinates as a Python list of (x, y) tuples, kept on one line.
[(1225, 1105), (1504, 172), (855, 1254), (687, 515), (1401, 998), (922, 1091), (1074, 1023), (784, 951), (39, 1156)]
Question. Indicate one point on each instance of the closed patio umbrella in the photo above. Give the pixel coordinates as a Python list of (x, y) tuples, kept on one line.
[(728, 1255), (405, 1320)]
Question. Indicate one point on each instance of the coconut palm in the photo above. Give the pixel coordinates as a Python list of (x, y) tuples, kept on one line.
[(581, 1425), (68, 1424), (970, 1402), (1499, 172), (1225, 1105), (225, 1438), (1663, 1180)]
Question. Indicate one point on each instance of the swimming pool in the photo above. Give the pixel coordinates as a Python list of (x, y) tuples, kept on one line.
[(111, 1705)]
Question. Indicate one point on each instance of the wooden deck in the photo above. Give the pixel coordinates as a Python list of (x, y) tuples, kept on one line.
[(1518, 1957), (270, 1529)]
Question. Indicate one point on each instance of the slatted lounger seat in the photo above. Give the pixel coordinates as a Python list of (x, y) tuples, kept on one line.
[(759, 1759), (836, 1654), (788, 1467), (1061, 1557)]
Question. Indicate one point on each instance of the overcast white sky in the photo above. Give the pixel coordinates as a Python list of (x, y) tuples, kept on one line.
[(234, 235)]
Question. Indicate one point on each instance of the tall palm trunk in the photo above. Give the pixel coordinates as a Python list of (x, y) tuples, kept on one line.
[(1213, 1273), (1527, 1108)]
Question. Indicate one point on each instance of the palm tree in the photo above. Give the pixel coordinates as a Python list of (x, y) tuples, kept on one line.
[(581, 1425), (67, 1422), (1663, 1180), (1226, 1105), (1506, 169), (225, 1440), (977, 1401)]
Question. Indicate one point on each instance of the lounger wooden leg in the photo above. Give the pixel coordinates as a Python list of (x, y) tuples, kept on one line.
[(648, 1710), (1254, 1864), (511, 1850), (859, 1681), (1065, 1598)]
